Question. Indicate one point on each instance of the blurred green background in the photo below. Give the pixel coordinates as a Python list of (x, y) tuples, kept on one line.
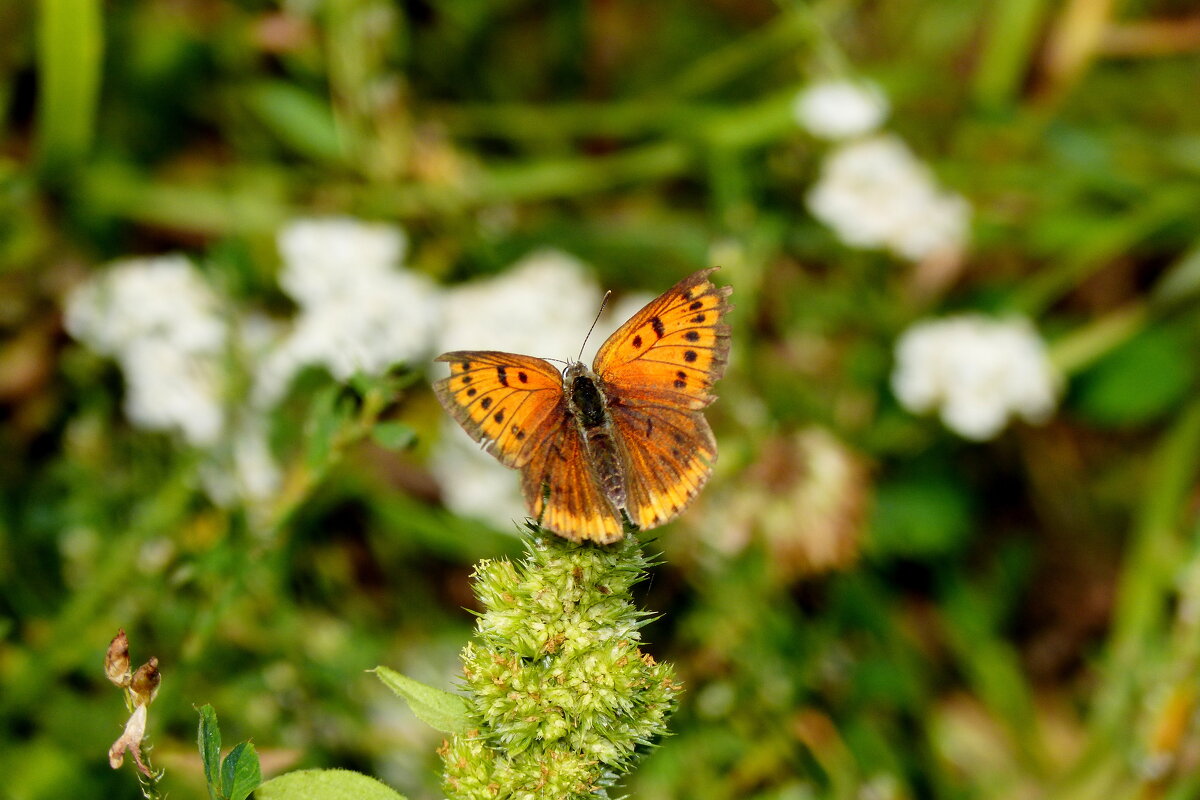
[(935, 618)]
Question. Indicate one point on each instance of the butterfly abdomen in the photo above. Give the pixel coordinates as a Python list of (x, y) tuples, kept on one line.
[(587, 405)]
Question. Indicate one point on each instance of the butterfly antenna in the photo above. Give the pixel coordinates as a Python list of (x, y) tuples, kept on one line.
[(603, 303)]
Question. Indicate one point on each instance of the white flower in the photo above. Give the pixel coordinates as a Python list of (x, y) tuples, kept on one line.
[(840, 109), (978, 372), (131, 741), (170, 388), (163, 298), (335, 256), (166, 328), (359, 310), (875, 193)]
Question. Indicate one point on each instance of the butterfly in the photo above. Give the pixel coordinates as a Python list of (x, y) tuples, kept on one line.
[(624, 442)]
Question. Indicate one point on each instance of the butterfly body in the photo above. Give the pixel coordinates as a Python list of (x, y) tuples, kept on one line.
[(588, 408), (623, 443)]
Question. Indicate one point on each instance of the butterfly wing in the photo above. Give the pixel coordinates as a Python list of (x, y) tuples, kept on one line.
[(506, 402), (514, 405), (673, 350), (670, 454), (562, 492), (658, 370)]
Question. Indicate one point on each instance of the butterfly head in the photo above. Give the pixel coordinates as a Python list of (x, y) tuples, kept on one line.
[(573, 371), (584, 397)]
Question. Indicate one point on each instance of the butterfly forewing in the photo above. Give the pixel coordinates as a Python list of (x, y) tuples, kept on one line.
[(673, 350), (509, 403)]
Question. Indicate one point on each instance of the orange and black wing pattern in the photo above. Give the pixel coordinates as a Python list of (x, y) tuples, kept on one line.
[(510, 404), (658, 371), (673, 350), (562, 493), (670, 456)]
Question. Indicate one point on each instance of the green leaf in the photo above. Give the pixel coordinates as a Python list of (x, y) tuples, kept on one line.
[(394, 435), (209, 739), (1139, 381), (442, 710), (240, 773), (70, 43), (325, 784), (299, 119), (325, 419)]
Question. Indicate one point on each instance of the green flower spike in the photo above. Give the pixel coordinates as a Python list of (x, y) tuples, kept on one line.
[(561, 695)]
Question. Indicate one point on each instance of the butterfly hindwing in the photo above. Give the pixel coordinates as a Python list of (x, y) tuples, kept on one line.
[(506, 402), (670, 455), (673, 350), (561, 491)]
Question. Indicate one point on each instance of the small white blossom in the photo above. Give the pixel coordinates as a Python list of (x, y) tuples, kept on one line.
[(166, 328), (875, 193), (131, 741), (170, 388), (162, 298), (336, 255), (840, 109), (977, 372), (359, 310)]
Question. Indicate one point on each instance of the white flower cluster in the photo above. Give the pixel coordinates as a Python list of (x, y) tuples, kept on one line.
[(840, 109), (977, 372), (873, 191), (359, 311), (178, 342), (167, 328)]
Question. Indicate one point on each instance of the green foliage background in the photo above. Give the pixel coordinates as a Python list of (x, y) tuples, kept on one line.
[(1022, 619)]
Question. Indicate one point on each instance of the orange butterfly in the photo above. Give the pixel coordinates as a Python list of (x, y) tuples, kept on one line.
[(622, 442)]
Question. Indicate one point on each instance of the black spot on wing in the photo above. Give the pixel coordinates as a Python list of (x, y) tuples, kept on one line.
[(658, 327)]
